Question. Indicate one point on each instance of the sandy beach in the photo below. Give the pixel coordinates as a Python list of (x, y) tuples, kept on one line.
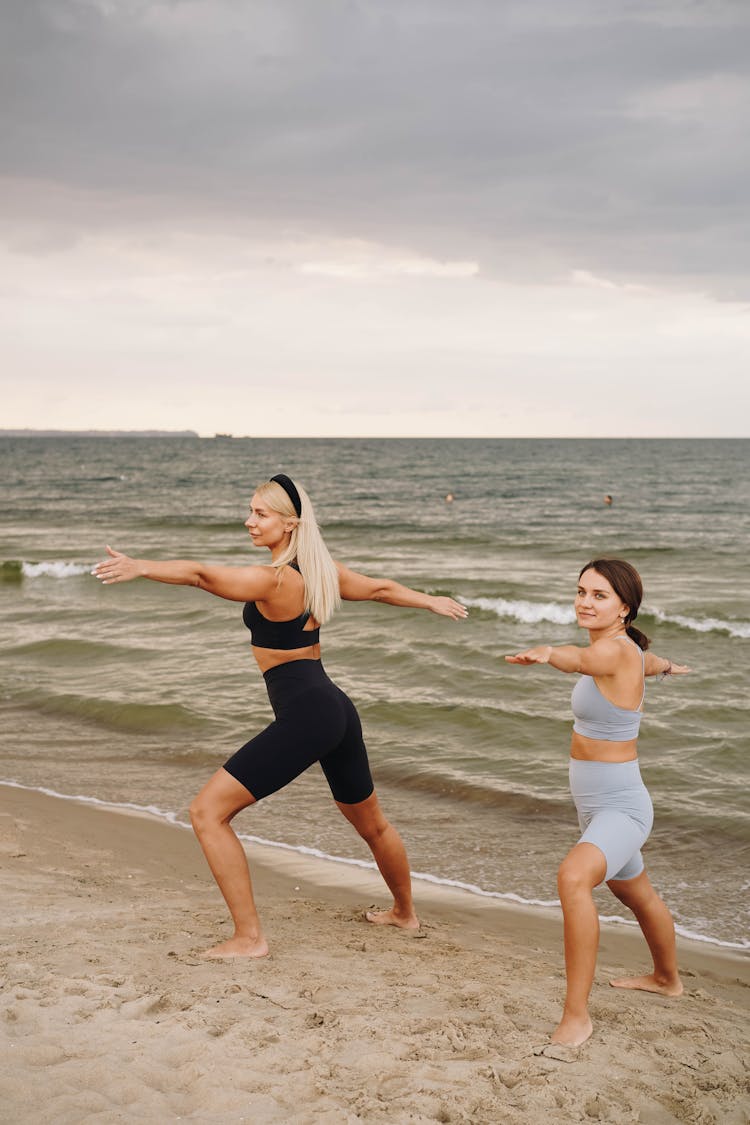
[(109, 1015)]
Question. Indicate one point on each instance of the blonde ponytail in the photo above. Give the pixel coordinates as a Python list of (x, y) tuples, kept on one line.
[(307, 548)]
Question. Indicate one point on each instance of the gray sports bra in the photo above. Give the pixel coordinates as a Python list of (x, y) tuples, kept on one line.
[(596, 717)]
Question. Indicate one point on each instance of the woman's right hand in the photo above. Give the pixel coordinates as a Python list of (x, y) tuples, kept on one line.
[(539, 655), (117, 568)]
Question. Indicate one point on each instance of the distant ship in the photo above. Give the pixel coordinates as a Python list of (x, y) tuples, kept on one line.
[(223, 437)]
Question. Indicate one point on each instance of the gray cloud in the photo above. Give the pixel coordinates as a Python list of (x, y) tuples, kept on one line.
[(535, 137)]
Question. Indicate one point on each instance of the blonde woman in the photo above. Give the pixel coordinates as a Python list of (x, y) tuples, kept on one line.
[(286, 603)]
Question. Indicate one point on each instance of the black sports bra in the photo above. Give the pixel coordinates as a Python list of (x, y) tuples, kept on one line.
[(279, 634)]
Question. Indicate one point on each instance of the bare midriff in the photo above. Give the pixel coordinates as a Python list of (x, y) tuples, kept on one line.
[(597, 750), (267, 658)]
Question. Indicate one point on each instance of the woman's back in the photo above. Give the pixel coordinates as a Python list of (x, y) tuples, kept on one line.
[(280, 623)]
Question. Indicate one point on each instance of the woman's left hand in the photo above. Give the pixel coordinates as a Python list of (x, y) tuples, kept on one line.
[(447, 607)]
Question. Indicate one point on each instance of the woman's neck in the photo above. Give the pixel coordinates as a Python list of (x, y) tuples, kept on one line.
[(609, 633)]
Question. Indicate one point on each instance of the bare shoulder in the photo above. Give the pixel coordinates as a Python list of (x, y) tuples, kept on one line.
[(606, 656), (238, 583), (261, 577), (629, 646), (608, 646)]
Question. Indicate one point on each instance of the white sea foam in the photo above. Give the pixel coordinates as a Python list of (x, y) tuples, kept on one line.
[(532, 613), (705, 624), (526, 612), (150, 810), (54, 569), (317, 853)]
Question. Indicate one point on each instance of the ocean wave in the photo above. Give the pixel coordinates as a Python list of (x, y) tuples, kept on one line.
[(181, 523), (139, 718), (532, 613), (703, 625), (54, 568), (529, 613), (11, 570), (69, 650), (15, 570), (300, 849), (486, 791)]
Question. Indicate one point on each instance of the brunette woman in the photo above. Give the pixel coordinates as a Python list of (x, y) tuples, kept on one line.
[(614, 808)]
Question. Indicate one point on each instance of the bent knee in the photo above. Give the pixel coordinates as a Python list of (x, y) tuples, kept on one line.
[(568, 879), (573, 876), (205, 813), (199, 813), (373, 829)]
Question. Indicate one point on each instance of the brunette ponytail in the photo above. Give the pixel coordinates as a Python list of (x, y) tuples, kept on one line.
[(636, 635)]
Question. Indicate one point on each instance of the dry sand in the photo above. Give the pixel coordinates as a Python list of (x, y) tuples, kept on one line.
[(108, 1015)]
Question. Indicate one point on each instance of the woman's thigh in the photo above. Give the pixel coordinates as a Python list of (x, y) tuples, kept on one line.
[(289, 745), (584, 867), (222, 797), (346, 765), (620, 838)]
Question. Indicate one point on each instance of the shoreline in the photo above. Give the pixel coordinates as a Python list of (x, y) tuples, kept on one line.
[(344, 1022), (269, 853)]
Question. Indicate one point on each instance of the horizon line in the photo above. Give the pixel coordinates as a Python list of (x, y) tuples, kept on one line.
[(156, 431), (19, 431)]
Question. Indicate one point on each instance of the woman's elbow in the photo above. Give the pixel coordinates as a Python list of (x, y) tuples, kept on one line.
[(201, 580), (383, 592)]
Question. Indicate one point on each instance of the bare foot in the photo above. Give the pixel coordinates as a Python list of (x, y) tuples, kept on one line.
[(557, 1051), (650, 983), (392, 918), (571, 1032), (237, 947)]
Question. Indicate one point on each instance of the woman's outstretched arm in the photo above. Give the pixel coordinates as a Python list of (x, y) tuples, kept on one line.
[(598, 659), (654, 665), (356, 587), (594, 660), (236, 583)]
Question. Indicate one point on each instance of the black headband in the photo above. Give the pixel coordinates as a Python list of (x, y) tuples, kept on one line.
[(289, 487)]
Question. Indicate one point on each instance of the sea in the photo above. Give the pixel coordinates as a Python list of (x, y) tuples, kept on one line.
[(132, 695)]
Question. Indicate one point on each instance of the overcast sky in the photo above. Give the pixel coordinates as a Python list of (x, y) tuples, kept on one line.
[(396, 217)]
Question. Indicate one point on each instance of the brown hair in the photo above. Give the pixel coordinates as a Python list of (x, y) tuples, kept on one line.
[(626, 583)]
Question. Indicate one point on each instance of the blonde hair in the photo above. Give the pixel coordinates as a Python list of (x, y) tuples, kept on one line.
[(307, 548)]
